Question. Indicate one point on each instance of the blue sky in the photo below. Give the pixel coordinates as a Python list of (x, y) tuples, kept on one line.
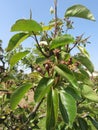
[(12, 10)]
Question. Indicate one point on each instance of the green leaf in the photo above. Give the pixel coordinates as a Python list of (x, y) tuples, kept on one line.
[(64, 71), (50, 118), (68, 105), (73, 93), (18, 56), (86, 62), (79, 11), (84, 51), (55, 98), (16, 40), (48, 27), (40, 60), (83, 78), (42, 88), (89, 93), (63, 111), (61, 41), (18, 94), (26, 25), (82, 124)]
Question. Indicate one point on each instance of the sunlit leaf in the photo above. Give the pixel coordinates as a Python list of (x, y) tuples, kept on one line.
[(18, 56), (64, 71), (89, 93), (42, 88), (16, 40), (18, 94), (61, 41), (86, 62), (26, 25), (69, 104), (84, 51), (48, 27), (79, 11)]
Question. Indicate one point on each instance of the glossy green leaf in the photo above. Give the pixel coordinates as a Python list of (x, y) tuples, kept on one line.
[(18, 56), (16, 40), (89, 93), (26, 25), (84, 51), (69, 104), (64, 71), (63, 111), (50, 117), (73, 93), (61, 41), (42, 88), (79, 11), (18, 94), (86, 62)]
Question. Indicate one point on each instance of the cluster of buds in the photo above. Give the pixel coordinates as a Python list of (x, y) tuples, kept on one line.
[(69, 62)]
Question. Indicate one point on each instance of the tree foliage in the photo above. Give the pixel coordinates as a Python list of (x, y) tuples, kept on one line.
[(64, 93)]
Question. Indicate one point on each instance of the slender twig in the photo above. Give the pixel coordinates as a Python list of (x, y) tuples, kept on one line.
[(75, 44), (39, 46), (78, 40), (33, 113)]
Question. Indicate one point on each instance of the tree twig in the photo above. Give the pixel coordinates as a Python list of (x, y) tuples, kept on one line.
[(39, 46), (33, 113)]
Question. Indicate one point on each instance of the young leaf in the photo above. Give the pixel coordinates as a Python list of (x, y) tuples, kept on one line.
[(64, 71), (18, 94), (89, 93), (69, 104), (26, 25), (79, 11), (16, 40), (86, 62), (42, 88), (84, 51), (61, 41), (18, 56), (50, 118)]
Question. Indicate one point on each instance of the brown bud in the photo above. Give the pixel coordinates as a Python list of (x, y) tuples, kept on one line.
[(39, 69)]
